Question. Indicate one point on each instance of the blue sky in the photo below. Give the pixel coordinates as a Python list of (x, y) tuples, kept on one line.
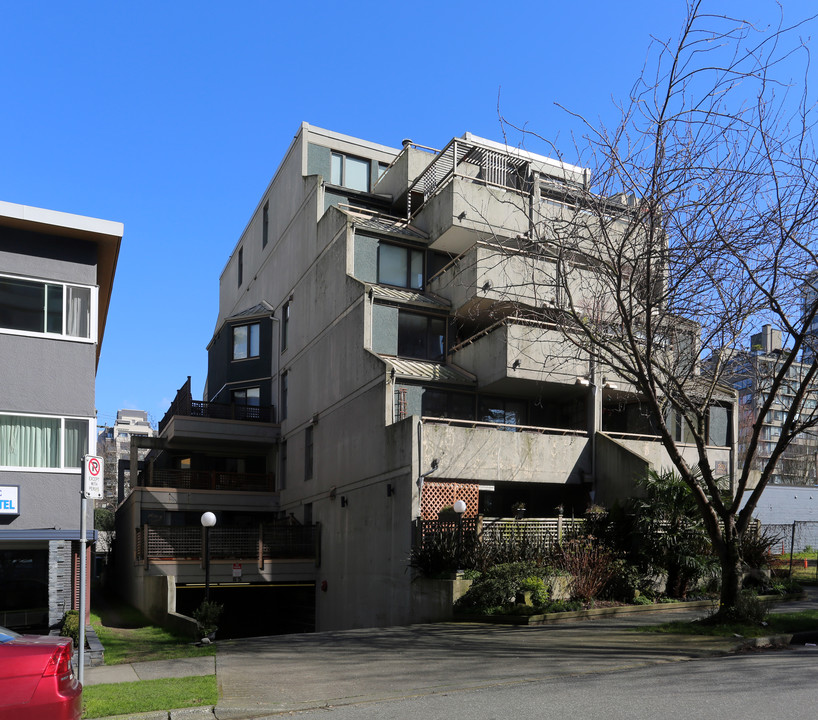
[(171, 117)]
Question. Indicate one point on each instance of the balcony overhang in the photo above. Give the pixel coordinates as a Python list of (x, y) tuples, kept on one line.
[(184, 430)]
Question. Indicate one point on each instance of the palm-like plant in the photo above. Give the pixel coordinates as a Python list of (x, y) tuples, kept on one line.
[(673, 536)]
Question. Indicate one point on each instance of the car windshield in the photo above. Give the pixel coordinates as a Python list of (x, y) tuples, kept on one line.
[(6, 635)]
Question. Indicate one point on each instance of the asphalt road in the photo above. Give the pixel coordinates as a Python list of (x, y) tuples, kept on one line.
[(769, 684)]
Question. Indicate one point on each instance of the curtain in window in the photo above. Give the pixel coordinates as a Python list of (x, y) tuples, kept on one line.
[(76, 442), (78, 311), (29, 441)]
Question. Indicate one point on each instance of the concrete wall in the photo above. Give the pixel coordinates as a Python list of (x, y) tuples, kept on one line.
[(617, 468), (487, 454), (541, 354)]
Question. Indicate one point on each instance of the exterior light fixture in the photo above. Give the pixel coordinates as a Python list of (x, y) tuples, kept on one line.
[(208, 521), (459, 507)]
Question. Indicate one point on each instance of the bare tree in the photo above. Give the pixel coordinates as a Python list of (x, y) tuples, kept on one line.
[(697, 225)]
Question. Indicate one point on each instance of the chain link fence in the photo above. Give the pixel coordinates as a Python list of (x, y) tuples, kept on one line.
[(796, 544)]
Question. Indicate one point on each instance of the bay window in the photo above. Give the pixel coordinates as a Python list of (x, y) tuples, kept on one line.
[(421, 336), (400, 266), (245, 341), (349, 172)]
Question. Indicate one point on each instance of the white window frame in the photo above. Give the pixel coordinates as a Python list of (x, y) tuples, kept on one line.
[(62, 468), (343, 158), (63, 335), (249, 342)]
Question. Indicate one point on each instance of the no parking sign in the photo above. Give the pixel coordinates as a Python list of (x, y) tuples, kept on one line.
[(92, 477)]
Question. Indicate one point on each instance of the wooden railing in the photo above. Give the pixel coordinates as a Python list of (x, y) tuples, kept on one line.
[(266, 541), (495, 530), (184, 405), (207, 480)]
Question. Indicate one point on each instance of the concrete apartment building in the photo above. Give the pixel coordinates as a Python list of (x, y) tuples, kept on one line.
[(56, 275), (751, 374), (373, 360)]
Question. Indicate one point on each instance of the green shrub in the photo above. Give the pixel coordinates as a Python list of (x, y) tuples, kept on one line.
[(627, 583), (783, 586), (748, 609), (445, 552), (71, 626), (540, 594), (496, 588), (207, 615)]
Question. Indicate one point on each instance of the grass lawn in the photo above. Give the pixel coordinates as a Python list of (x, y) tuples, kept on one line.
[(777, 624), (148, 695), (128, 636)]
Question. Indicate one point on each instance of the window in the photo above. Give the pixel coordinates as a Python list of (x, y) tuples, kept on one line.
[(446, 404), (241, 266), (43, 442), (282, 485), (285, 325), (382, 168), (246, 396), (350, 172), (265, 224), (503, 411), (421, 336), (400, 266), (32, 306), (245, 341), (308, 438), (283, 398)]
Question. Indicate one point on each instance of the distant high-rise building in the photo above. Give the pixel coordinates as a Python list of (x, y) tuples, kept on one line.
[(751, 373), (114, 445)]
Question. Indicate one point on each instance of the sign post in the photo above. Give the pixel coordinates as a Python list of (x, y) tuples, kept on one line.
[(92, 486)]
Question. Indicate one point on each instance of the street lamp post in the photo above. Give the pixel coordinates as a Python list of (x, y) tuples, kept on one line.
[(459, 508), (208, 521)]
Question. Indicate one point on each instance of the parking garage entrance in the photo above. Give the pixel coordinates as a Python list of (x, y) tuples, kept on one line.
[(252, 610)]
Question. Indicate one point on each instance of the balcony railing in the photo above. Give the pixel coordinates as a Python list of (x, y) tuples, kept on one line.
[(207, 480), (459, 159), (184, 405), (545, 532), (267, 541)]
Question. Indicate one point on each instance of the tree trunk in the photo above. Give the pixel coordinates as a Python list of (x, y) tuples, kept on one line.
[(731, 573)]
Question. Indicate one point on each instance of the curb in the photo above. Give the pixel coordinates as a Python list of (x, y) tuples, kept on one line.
[(547, 618), (204, 712)]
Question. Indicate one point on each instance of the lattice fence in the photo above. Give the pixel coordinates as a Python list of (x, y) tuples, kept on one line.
[(187, 543), (437, 495)]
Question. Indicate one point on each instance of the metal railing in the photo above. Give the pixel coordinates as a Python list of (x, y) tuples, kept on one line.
[(493, 168), (459, 422)]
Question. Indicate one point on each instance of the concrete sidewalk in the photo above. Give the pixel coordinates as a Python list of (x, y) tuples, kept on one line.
[(153, 670), (263, 677)]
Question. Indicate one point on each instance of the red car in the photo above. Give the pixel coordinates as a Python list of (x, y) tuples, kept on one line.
[(37, 680)]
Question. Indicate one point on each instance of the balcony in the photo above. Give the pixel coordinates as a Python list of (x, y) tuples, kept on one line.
[(478, 451), (475, 189), (206, 480), (514, 349), (264, 542), (486, 274), (191, 421)]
